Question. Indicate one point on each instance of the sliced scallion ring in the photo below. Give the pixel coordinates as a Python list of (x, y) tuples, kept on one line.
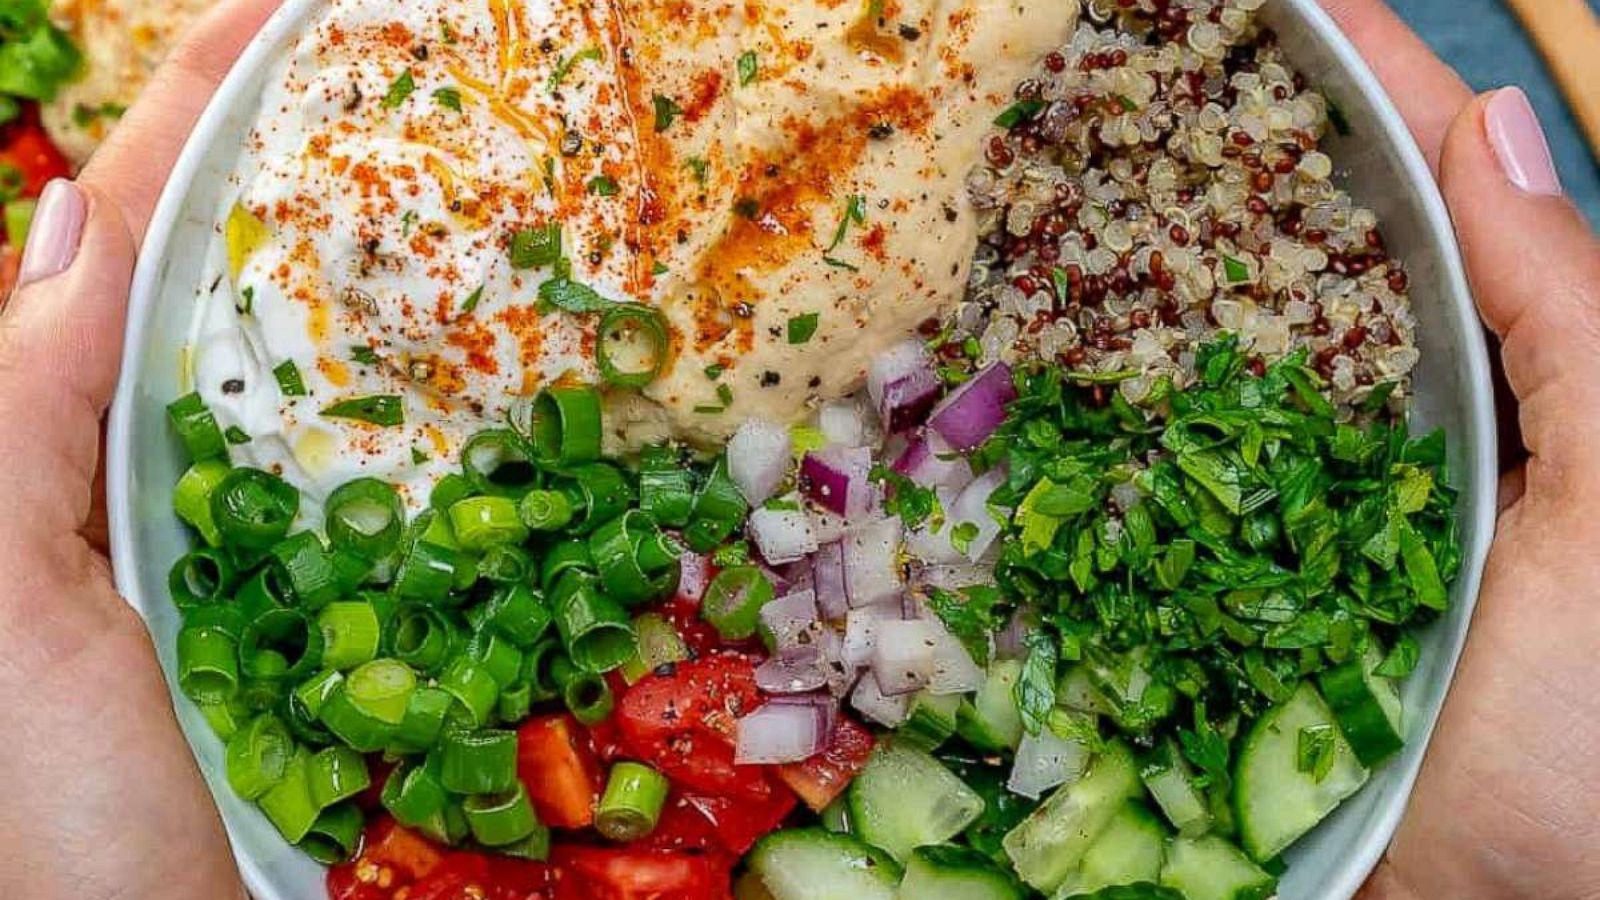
[(631, 346)]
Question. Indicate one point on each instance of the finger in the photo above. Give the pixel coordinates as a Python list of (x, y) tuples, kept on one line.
[(60, 339), (1535, 270), (130, 168), (1427, 92)]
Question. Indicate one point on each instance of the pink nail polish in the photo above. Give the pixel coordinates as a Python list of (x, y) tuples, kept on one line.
[(57, 229), (1519, 143)]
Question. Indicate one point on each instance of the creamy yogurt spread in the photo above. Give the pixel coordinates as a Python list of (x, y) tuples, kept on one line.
[(783, 182)]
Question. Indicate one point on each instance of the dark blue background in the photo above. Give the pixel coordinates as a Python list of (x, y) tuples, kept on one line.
[(1487, 45)]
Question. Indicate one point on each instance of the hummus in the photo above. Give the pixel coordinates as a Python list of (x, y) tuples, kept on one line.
[(783, 182), (123, 41)]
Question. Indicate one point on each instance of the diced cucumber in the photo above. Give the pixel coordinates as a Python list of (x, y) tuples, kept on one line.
[(1275, 800), (990, 720), (1130, 850), (1076, 691), (932, 720), (836, 815), (1138, 700), (1367, 706), (904, 799), (749, 886), (1171, 781), (1210, 868), (947, 872), (812, 864), (1048, 845)]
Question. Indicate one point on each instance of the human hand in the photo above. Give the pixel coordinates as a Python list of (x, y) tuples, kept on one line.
[(1506, 805), (102, 796)]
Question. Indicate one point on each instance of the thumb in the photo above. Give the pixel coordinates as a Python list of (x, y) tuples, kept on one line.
[(60, 340), (1535, 268)]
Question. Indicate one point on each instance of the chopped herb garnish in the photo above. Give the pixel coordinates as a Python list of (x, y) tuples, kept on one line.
[(572, 296), (725, 394), (247, 300), (364, 355), (236, 435), (535, 247), (855, 213), (1127, 103), (802, 328), (912, 502), (1019, 112), (289, 381), (715, 370), (747, 208), (565, 67), (749, 67), (469, 305), (782, 504), (602, 186), (667, 111), (384, 410), (449, 98), (660, 268), (399, 90), (1315, 753), (408, 222), (698, 167), (1235, 270), (962, 536), (419, 456)]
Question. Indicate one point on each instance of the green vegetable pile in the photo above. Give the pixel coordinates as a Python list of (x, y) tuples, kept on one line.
[(1258, 542), (36, 58)]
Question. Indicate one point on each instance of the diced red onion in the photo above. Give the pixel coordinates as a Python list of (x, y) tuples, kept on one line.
[(782, 535), (931, 544), (931, 462), (839, 479), (871, 563), (759, 455), (872, 702), (954, 670), (793, 670), (954, 576), (827, 580), (826, 707), (893, 364), (841, 424), (830, 649), (974, 410), (903, 657), (787, 617), (828, 528), (907, 400), (694, 576), (781, 733), (861, 632), (1045, 760)]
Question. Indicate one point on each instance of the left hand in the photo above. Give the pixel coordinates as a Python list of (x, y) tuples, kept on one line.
[(102, 798)]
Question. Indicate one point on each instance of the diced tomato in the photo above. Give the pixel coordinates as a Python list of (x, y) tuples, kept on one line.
[(697, 634), (462, 876), (408, 853), (346, 882), (820, 779), (682, 826), (557, 765), (626, 873), (708, 694), (740, 822), (606, 737), (704, 763), (25, 146)]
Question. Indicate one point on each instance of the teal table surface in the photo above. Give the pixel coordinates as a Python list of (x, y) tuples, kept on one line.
[(1487, 45)]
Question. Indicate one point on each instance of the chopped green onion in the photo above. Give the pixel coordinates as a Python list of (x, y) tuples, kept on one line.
[(427, 573), (208, 664), (631, 345), (335, 774), (197, 428), (666, 486), (506, 564), (448, 490), (335, 835), (562, 558), (353, 725), (253, 509), (478, 762), (381, 689), (658, 644), (734, 600), (290, 384), (515, 611), (634, 566), (308, 570), (311, 695), (399, 90), (288, 804), (473, 687), (414, 795), (537, 669), (191, 499), (483, 522), (280, 643), (497, 462), (365, 516), (497, 655), (201, 578), (631, 805), (423, 637), (594, 630), (588, 696), (224, 717), (267, 589), (515, 702), (545, 510), (500, 819), (424, 719), (258, 756), (602, 493), (351, 634), (719, 509), (563, 425)]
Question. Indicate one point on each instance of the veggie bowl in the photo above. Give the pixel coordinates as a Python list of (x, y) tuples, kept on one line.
[(952, 531)]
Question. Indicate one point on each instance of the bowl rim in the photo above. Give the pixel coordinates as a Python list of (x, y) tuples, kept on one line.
[(1481, 458)]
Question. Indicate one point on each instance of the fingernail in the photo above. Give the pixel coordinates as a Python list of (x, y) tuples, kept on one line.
[(1519, 143), (57, 228)]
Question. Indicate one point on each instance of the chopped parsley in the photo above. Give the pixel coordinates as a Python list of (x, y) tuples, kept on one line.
[(289, 381), (698, 167), (565, 67), (408, 222), (469, 305), (749, 67), (533, 248), (1235, 270), (449, 98), (725, 395), (802, 328), (419, 456), (364, 355), (602, 186), (962, 536), (383, 410), (971, 614), (660, 268), (855, 213), (912, 502), (715, 370), (1315, 751), (399, 90), (236, 435), (667, 111), (1018, 113), (572, 296), (247, 301)]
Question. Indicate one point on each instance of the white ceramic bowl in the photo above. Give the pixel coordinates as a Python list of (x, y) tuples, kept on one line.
[(1380, 164)]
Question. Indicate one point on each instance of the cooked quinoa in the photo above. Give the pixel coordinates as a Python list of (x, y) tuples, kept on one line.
[(1160, 181)]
